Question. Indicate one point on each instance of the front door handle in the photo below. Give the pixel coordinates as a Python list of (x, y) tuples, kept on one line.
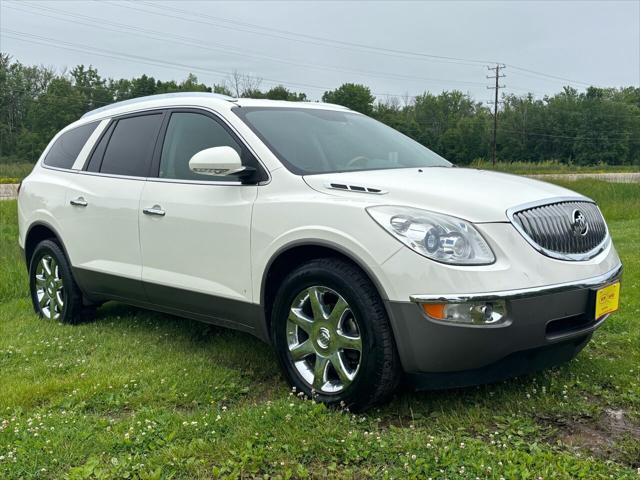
[(155, 210), (79, 202)]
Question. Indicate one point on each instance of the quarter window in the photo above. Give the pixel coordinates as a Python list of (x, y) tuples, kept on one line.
[(131, 146), (65, 150), (187, 134)]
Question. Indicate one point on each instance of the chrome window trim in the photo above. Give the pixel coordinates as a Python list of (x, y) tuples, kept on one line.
[(601, 280), (163, 180), (201, 182), (57, 169), (110, 175), (574, 257)]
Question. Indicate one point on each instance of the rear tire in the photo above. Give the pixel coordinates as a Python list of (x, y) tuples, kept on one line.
[(332, 335), (54, 293)]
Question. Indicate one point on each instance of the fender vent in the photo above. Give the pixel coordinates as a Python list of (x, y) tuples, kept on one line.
[(356, 188)]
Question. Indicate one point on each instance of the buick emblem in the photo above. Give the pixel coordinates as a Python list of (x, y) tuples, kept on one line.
[(579, 225)]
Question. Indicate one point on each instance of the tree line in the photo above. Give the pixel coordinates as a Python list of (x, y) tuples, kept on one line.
[(595, 126)]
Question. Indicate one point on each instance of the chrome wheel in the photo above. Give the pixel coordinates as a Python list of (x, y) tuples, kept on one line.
[(324, 339), (49, 288)]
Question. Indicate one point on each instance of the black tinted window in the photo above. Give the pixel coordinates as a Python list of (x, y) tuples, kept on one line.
[(98, 152), (65, 150), (187, 134), (131, 146)]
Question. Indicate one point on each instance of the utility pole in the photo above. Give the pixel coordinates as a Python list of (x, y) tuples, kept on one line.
[(497, 87)]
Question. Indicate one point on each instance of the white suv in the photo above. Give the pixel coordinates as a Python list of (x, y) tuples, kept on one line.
[(361, 256)]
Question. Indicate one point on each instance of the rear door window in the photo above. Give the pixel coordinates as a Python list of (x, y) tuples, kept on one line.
[(98, 152), (65, 150), (131, 145)]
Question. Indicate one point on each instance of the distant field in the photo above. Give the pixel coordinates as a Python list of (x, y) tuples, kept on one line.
[(14, 172), (142, 395), (526, 168)]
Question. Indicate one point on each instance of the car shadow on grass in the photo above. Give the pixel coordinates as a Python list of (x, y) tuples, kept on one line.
[(248, 356)]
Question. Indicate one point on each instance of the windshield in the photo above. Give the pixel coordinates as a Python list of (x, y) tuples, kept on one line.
[(309, 141)]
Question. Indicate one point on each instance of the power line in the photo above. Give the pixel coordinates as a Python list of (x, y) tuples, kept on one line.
[(38, 39), (225, 49), (41, 40), (324, 41), (496, 89), (536, 74), (286, 35), (191, 42), (569, 137)]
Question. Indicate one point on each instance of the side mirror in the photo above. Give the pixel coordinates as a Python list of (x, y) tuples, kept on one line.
[(218, 161)]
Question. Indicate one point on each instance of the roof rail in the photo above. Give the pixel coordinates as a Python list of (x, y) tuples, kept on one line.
[(161, 96)]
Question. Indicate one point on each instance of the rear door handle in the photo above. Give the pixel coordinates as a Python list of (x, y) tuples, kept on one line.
[(79, 202), (155, 210)]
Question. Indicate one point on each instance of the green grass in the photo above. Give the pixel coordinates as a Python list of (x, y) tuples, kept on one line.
[(12, 172), (137, 394), (550, 166)]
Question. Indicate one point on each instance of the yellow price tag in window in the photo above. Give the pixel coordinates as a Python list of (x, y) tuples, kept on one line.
[(607, 299)]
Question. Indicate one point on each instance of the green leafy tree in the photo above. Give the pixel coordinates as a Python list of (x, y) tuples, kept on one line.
[(90, 85), (351, 95), (143, 86), (282, 93), (222, 89), (59, 106), (598, 125)]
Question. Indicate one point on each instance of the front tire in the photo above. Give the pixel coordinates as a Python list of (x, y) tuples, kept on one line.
[(333, 337), (54, 293)]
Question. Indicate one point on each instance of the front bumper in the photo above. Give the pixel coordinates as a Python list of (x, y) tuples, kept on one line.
[(557, 319)]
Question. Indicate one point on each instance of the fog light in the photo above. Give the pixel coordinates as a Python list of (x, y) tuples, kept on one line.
[(475, 313)]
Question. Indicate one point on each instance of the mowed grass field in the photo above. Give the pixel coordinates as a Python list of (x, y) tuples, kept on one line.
[(137, 394)]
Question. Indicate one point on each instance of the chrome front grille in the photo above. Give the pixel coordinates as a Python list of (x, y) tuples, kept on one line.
[(569, 230)]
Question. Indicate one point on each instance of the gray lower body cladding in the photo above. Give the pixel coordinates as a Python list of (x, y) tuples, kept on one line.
[(224, 312), (540, 331)]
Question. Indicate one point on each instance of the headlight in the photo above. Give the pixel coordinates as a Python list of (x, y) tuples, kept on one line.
[(438, 237)]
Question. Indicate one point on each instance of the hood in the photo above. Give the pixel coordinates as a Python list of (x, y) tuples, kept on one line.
[(474, 195)]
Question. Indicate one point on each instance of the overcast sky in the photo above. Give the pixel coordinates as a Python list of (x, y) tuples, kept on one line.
[(393, 47)]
